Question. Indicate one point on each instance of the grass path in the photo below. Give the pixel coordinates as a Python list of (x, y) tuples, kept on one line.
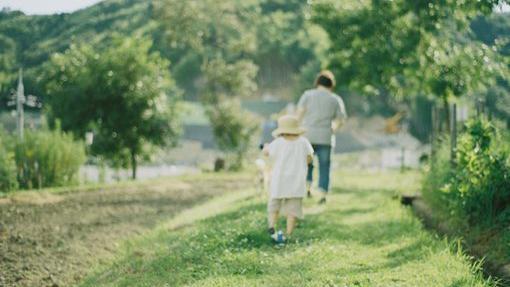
[(362, 237)]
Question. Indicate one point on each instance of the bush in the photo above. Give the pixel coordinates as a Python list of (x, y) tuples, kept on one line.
[(48, 159), (8, 180), (476, 189), (233, 130)]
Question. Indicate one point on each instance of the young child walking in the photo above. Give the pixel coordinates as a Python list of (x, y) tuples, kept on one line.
[(290, 154)]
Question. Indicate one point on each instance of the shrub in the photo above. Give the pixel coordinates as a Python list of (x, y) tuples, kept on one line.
[(47, 159), (476, 189), (8, 181), (483, 176), (233, 130)]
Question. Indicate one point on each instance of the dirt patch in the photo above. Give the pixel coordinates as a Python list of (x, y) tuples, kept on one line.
[(52, 240), (36, 198)]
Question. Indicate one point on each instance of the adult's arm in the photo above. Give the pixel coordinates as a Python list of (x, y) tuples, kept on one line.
[(301, 107), (340, 115)]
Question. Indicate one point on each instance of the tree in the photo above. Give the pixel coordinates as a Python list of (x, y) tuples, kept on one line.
[(123, 94), (494, 31), (406, 48), (220, 36), (7, 66), (233, 128), (452, 69), (275, 35)]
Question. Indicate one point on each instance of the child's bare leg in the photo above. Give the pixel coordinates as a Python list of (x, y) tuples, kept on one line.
[(272, 219), (291, 224), (308, 188)]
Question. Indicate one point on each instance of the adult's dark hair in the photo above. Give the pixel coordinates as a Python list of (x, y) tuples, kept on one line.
[(325, 79)]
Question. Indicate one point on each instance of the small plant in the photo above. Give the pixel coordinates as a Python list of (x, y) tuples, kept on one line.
[(8, 181)]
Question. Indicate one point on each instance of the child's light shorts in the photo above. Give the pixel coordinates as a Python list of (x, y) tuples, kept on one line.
[(286, 206)]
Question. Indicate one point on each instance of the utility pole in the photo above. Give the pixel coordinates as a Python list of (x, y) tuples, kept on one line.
[(20, 100)]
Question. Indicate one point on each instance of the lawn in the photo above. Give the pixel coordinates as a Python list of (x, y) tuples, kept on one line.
[(362, 237)]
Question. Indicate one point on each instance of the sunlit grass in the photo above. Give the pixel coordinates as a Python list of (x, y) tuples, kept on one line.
[(361, 238)]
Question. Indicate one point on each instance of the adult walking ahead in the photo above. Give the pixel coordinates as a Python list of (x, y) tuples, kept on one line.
[(322, 113)]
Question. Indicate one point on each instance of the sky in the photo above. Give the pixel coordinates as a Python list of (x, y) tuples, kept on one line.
[(46, 6), (504, 8)]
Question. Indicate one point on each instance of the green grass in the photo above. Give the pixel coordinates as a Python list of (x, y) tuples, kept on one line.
[(361, 238)]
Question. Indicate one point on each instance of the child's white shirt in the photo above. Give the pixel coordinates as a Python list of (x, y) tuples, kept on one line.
[(288, 179)]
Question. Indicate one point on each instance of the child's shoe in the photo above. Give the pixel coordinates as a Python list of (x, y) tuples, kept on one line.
[(278, 237)]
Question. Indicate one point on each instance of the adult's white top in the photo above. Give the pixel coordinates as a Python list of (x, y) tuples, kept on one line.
[(321, 107), (288, 179)]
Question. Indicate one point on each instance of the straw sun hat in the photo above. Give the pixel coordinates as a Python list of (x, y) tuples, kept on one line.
[(288, 125)]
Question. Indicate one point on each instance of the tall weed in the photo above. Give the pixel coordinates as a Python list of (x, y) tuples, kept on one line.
[(47, 159), (8, 181)]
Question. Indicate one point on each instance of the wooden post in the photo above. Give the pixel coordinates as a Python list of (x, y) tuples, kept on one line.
[(453, 134)]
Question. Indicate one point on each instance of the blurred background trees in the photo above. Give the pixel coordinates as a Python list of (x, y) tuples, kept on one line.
[(390, 57), (395, 51), (8, 180), (285, 39), (123, 94)]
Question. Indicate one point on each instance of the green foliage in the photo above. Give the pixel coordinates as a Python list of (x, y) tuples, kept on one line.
[(8, 180), (219, 37), (233, 129), (48, 159), (476, 189), (497, 99), (273, 35), (228, 80), (31, 40), (494, 31), (483, 175), (437, 176), (407, 48), (123, 94), (452, 69)]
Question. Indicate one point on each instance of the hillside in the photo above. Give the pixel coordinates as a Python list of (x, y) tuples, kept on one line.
[(283, 45), (29, 41)]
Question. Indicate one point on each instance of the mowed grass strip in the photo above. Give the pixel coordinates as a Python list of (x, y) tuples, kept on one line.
[(362, 237)]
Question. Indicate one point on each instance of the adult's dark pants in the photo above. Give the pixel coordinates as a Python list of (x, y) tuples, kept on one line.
[(323, 153)]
